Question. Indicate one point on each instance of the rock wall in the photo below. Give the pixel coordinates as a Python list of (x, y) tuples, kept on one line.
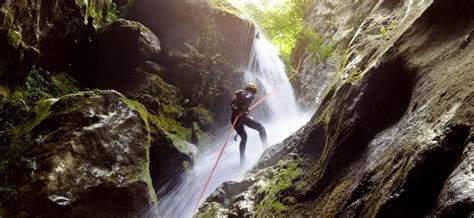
[(334, 22), (203, 54), (45, 33), (393, 134)]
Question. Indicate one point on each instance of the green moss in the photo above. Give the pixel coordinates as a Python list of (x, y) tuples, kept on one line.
[(37, 85), (113, 12), (178, 142), (64, 84), (4, 91), (41, 84), (283, 181), (172, 111), (20, 134), (203, 116), (14, 38), (186, 165), (167, 120), (225, 7), (145, 117), (95, 9), (7, 19), (202, 137), (210, 212), (336, 199), (290, 200), (355, 76)]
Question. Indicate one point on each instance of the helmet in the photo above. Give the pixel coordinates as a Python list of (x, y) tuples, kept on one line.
[(251, 87)]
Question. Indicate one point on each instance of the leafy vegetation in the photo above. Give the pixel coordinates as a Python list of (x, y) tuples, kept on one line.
[(386, 32), (283, 22), (316, 45), (113, 13)]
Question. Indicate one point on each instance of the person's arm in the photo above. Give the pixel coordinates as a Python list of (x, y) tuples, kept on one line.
[(248, 100)]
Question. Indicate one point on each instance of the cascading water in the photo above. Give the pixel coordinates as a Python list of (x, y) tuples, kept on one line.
[(281, 116), (267, 70)]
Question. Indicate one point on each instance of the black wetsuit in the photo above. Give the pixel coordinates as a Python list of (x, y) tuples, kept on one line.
[(240, 104)]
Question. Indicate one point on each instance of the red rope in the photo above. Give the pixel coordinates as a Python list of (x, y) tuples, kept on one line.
[(215, 165), (225, 143)]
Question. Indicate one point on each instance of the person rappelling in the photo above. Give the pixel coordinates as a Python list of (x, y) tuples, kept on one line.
[(240, 108)]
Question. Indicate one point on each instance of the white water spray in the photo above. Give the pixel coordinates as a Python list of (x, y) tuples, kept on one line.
[(267, 70), (282, 117)]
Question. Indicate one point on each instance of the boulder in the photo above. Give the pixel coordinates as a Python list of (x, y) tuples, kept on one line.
[(89, 157), (118, 49)]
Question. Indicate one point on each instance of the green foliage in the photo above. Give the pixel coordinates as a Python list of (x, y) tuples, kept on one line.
[(113, 13), (316, 45), (41, 84), (282, 22), (386, 32)]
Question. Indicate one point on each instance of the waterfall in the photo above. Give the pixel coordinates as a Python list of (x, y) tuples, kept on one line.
[(268, 71), (279, 114)]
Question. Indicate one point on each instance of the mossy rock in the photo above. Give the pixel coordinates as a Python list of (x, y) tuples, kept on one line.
[(16, 58), (171, 156), (273, 201), (52, 39), (201, 116), (118, 49), (146, 81), (90, 145)]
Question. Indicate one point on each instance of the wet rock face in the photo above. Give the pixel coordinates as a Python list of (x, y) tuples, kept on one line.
[(178, 21), (456, 198), (118, 49), (90, 153), (46, 33), (173, 21), (336, 22), (393, 135)]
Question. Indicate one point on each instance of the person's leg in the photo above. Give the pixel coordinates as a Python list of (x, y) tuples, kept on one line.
[(252, 123), (243, 141)]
